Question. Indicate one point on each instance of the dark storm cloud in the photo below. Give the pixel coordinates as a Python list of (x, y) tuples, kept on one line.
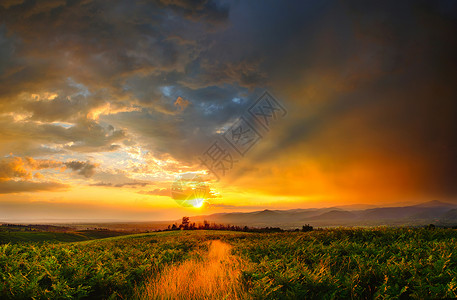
[(100, 40), (6, 50), (207, 10), (370, 79)]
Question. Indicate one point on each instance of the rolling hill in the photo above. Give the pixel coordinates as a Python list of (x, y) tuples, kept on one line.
[(436, 212)]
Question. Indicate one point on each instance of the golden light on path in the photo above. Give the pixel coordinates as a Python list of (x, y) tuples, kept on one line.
[(214, 277)]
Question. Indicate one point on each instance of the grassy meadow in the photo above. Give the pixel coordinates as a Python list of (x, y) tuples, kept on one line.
[(39, 236), (376, 263)]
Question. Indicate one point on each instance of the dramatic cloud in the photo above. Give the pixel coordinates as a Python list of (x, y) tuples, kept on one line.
[(128, 94)]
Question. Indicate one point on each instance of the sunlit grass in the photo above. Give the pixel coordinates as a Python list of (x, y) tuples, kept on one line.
[(375, 263), (216, 275)]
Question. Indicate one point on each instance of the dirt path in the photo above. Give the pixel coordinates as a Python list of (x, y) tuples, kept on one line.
[(216, 277)]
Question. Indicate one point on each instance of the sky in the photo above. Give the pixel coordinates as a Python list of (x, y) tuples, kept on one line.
[(103, 104)]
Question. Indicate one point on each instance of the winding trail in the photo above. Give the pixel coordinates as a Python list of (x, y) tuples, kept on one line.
[(215, 277)]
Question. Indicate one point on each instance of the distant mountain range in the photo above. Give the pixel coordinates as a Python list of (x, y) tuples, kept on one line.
[(436, 212)]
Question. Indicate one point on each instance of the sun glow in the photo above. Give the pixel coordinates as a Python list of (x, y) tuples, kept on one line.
[(198, 202)]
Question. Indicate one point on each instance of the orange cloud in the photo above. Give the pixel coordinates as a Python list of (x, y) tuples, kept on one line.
[(16, 175), (18, 167), (181, 103), (21, 186), (13, 168)]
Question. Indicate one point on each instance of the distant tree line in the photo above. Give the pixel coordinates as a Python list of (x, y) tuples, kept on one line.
[(33, 227), (187, 225)]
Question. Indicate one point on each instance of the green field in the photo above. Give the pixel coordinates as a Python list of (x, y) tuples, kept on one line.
[(38, 236), (381, 263)]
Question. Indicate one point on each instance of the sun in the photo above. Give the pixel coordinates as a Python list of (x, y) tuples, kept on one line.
[(190, 190), (198, 202)]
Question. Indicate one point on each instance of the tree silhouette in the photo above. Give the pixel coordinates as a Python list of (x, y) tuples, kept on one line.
[(306, 228), (185, 223)]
